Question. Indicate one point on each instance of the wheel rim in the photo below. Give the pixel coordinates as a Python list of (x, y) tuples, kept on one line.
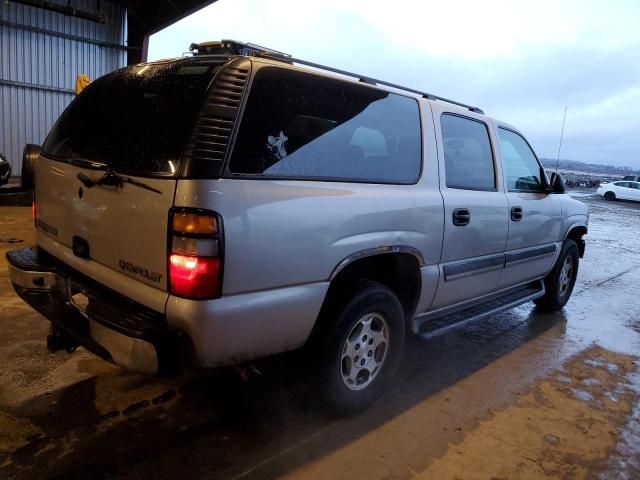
[(364, 351), (566, 273)]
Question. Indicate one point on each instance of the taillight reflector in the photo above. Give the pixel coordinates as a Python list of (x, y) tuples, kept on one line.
[(194, 277)]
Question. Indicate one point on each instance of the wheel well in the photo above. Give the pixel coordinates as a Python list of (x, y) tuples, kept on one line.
[(399, 272), (576, 234)]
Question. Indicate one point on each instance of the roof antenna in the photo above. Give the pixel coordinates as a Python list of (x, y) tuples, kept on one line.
[(561, 135)]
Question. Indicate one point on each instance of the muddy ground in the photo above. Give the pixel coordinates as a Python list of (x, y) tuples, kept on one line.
[(524, 395)]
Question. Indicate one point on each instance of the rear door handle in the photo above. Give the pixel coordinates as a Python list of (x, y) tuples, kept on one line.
[(461, 217), (516, 214)]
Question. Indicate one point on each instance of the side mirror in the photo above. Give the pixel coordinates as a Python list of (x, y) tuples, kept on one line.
[(556, 184)]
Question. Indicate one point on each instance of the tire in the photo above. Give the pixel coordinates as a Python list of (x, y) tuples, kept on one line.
[(29, 157), (370, 321), (610, 196), (560, 282)]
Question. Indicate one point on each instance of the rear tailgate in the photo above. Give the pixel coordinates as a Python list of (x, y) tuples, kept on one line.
[(106, 178), (124, 228)]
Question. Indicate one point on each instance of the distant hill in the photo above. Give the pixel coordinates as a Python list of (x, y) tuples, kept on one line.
[(588, 167)]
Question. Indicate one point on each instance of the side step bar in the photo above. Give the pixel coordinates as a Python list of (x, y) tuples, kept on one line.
[(439, 322)]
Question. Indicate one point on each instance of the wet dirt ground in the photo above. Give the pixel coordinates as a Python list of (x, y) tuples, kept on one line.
[(523, 395)]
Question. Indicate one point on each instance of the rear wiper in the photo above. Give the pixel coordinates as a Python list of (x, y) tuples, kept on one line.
[(92, 164), (112, 179)]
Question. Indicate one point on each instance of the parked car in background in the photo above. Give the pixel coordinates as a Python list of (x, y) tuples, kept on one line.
[(632, 178), (5, 170), (620, 190), (581, 182)]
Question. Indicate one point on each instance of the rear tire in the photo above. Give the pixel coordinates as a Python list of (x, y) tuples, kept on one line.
[(560, 282), (360, 348), (610, 196), (30, 155)]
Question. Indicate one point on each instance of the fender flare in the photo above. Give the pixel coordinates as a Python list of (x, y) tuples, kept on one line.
[(581, 243), (370, 252)]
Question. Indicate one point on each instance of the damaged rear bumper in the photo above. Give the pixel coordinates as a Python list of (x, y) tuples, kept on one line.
[(104, 322)]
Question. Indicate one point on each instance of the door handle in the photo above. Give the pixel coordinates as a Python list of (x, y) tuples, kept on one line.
[(516, 214), (461, 217)]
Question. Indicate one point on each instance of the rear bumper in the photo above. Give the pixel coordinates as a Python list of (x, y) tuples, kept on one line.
[(111, 326)]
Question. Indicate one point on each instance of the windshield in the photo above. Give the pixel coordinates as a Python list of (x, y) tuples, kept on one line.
[(135, 120)]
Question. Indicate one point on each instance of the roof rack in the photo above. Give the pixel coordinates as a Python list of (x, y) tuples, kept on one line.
[(233, 47), (250, 49)]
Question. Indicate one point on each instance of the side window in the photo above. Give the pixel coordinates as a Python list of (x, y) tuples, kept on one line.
[(468, 156), (298, 125), (523, 171)]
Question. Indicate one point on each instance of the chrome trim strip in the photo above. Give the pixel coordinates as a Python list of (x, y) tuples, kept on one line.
[(378, 251)]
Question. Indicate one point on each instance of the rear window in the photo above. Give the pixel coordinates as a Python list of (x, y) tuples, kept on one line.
[(302, 126), (134, 120)]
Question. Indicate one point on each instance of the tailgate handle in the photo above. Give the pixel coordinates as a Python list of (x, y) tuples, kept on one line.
[(80, 247)]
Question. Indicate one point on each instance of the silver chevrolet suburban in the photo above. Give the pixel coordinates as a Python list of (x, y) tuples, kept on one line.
[(239, 202)]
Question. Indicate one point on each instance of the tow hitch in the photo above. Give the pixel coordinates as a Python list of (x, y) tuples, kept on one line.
[(58, 339)]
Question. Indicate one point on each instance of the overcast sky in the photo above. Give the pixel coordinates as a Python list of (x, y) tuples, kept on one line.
[(521, 62)]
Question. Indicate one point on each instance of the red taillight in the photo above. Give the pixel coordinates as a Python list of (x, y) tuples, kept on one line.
[(34, 213), (195, 246), (194, 277)]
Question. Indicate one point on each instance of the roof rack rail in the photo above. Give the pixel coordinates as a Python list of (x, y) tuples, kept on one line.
[(234, 47), (369, 80)]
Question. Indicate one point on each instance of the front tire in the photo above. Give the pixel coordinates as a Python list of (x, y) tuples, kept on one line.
[(610, 196), (361, 349), (561, 280)]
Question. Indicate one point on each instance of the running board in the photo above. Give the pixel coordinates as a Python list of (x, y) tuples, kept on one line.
[(437, 323)]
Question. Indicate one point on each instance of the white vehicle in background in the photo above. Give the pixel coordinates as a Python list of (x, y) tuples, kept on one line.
[(620, 190)]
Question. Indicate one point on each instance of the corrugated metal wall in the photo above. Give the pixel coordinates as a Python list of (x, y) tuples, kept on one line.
[(38, 69)]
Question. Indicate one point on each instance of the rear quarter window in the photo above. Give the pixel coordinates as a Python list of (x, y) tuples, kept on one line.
[(298, 125)]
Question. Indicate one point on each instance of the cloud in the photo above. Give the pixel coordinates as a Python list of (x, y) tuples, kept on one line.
[(521, 62)]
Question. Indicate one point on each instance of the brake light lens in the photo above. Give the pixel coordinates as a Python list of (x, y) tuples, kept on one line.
[(195, 247), (34, 213), (194, 277)]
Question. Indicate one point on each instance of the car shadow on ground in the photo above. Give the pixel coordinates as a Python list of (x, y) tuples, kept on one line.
[(218, 425)]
